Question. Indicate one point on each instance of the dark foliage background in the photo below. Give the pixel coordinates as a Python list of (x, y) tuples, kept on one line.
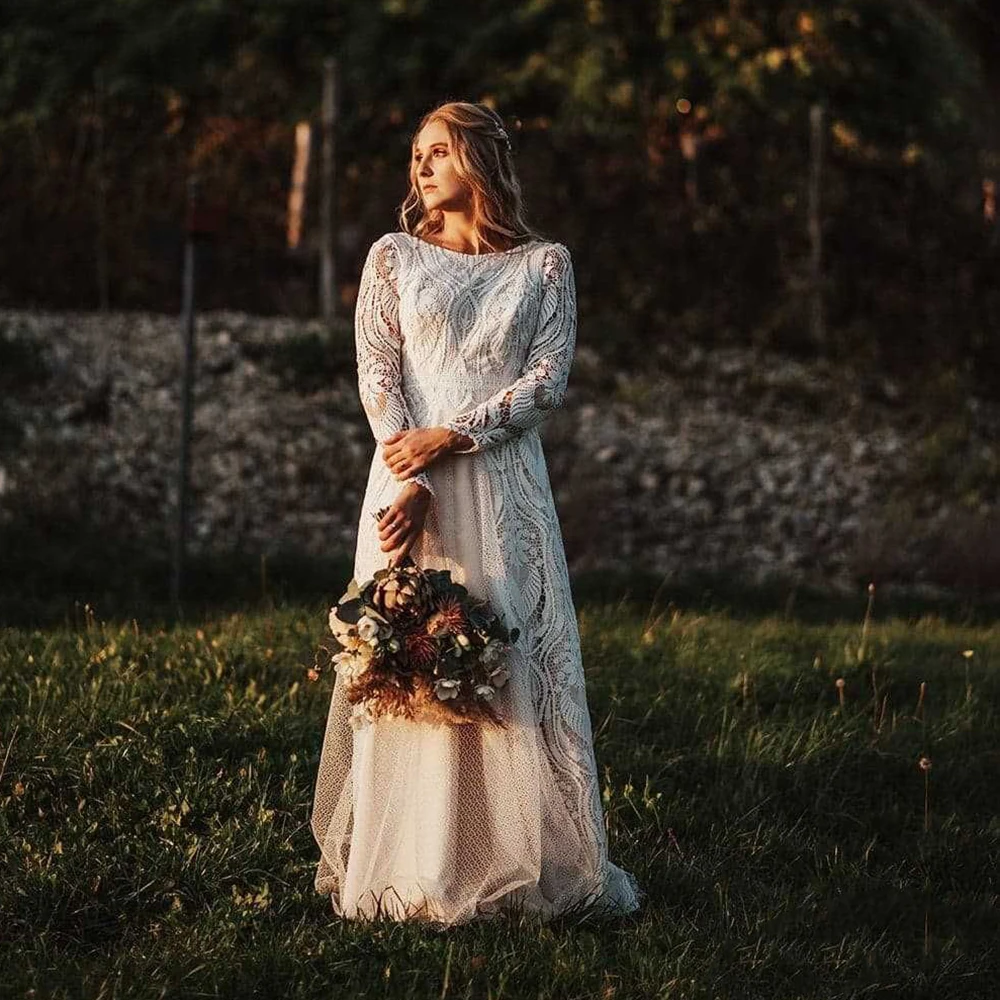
[(106, 107)]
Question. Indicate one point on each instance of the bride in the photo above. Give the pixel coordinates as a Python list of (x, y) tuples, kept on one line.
[(465, 328)]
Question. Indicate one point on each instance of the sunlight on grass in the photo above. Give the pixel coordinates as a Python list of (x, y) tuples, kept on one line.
[(806, 805)]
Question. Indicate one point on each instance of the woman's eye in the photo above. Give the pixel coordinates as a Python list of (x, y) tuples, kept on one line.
[(441, 150)]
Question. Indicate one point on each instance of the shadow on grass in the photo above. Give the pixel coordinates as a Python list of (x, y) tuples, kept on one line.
[(647, 593), (52, 567), (49, 573)]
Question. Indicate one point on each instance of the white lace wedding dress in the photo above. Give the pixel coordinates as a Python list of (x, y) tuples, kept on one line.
[(449, 823)]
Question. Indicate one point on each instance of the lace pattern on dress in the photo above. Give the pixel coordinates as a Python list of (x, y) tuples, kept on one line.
[(377, 343), (542, 385)]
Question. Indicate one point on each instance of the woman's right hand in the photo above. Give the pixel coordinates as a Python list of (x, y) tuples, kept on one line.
[(413, 449), (402, 523)]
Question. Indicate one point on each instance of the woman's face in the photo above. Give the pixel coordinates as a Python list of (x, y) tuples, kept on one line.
[(434, 169)]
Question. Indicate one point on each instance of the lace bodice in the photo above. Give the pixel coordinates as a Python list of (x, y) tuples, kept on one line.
[(491, 334)]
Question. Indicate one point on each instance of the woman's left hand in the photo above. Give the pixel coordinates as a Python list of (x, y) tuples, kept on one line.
[(400, 526), (410, 451)]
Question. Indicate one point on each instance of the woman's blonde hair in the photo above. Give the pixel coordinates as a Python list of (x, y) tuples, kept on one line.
[(484, 161)]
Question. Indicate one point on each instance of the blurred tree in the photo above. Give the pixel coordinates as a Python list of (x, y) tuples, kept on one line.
[(666, 141)]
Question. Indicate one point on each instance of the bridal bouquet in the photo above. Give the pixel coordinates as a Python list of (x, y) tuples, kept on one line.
[(415, 644)]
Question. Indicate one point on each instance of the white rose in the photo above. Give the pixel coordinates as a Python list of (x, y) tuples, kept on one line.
[(362, 661), (367, 628), (446, 688), (485, 691), (344, 664), (351, 663), (499, 677), (491, 652)]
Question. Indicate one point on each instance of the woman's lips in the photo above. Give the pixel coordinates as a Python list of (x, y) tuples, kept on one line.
[(430, 187)]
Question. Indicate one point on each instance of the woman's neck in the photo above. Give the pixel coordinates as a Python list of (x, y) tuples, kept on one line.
[(458, 233)]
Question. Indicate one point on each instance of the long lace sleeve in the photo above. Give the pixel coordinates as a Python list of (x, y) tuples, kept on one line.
[(541, 386), (377, 341)]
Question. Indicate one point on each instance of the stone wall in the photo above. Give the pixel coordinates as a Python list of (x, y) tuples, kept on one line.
[(732, 460)]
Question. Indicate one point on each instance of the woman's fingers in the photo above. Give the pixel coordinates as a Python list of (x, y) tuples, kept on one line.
[(395, 534), (402, 546), (404, 469), (389, 517), (402, 523), (405, 547), (400, 536), (390, 539), (400, 459), (393, 445), (388, 522)]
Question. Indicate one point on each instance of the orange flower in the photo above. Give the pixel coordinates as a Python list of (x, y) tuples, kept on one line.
[(421, 649), (449, 617)]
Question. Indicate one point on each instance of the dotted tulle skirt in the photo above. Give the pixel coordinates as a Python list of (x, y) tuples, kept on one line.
[(450, 823)]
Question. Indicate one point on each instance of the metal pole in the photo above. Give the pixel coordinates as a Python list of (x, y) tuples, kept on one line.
[(103, 270), (187, 389), (817, 324)]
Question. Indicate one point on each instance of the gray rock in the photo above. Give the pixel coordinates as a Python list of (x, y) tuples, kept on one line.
[(692, 472)]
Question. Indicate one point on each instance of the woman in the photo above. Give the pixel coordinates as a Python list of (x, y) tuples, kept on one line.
[(465, 328)]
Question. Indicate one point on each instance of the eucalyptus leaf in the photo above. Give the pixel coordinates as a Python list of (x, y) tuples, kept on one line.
[(349, 611)]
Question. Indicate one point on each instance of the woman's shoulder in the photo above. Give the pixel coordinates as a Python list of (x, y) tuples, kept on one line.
[(387, 241), (551, 259), (382, 250), (553, 248), (556, 260), (545, 246)]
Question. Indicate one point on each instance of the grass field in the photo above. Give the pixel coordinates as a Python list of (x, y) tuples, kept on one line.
[(155, 787)]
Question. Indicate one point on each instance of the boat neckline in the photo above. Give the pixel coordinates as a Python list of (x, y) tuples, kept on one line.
[(461, 253)]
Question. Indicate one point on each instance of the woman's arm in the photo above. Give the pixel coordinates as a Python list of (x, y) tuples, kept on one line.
[(377, 342), (542, 384)]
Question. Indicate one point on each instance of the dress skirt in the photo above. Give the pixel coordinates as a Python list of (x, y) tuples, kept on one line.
[(447, 823)]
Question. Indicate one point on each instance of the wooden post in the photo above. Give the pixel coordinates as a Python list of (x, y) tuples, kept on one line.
[(327, 269), (300, 182), (817, 325), (689, 150)]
